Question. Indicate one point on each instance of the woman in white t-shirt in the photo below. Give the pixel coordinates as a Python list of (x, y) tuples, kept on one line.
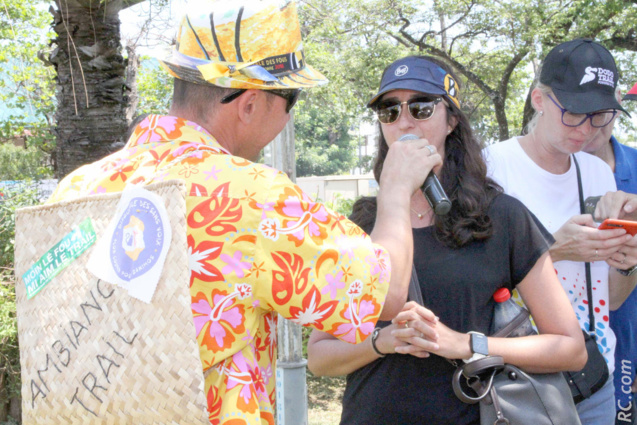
[(574, 98)]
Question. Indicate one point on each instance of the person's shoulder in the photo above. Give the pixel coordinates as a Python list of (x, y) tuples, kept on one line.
[(625, 150), (503, 145), (503, 203), (498, 150)]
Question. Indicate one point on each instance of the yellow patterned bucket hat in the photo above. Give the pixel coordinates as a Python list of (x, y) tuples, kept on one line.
[(247, 44)]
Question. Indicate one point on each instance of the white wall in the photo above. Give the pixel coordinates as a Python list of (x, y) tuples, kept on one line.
[(327, 188)]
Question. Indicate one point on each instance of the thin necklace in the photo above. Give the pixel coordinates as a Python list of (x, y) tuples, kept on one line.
[(419, 215)]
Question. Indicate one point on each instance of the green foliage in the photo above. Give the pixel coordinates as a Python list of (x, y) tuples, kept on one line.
[(341, 204), (155, 88), (496, 47), (9, 352), (325, 118), (27, 88), (18, 163)]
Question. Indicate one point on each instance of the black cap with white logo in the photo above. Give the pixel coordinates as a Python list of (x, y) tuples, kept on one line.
[(583, 76)]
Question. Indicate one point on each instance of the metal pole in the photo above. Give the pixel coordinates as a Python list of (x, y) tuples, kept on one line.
[(291, 386)]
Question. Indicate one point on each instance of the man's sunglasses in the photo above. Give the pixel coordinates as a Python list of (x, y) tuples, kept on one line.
[(291, 96), (420, 109)]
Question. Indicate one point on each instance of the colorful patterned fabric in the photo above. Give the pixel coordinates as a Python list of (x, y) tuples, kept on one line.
[(258, 246), (244, 45)]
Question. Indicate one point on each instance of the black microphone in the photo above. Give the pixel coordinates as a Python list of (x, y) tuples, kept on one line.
[(431, 188)]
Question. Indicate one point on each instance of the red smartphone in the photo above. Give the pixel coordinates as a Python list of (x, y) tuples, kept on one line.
[(629, 226)]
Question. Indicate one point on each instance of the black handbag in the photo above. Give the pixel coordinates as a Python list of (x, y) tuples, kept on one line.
[(589, 380)]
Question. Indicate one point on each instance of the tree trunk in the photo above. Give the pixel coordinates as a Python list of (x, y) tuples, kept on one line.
[(15, 408), (132, 68), (91, 83)]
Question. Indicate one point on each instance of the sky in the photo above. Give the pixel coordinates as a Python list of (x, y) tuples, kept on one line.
[(151, 39)]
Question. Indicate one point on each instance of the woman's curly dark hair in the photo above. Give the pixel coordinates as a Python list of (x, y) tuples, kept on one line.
[(463, 177)]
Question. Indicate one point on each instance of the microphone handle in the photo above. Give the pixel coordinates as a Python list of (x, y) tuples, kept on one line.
[(431, 188), (435, 195)]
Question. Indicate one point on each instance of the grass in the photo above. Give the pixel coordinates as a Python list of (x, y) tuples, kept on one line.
[(324, 399)]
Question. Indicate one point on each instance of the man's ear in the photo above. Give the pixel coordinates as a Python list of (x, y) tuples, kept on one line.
[(247, 105), (537, 100)]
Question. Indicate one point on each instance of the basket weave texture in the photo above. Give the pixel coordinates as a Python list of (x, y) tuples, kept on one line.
[(90, 353)]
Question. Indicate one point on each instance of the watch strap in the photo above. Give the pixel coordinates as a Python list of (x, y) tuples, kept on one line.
[(628, 272), (375, 334)]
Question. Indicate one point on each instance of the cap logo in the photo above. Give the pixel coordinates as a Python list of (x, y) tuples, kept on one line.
[(452, 89), (604, 76), (401, 70)]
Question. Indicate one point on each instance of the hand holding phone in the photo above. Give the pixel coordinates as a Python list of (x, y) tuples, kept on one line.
[(629, 226)]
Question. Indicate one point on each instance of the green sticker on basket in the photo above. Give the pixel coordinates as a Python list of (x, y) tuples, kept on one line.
[(57, 258)]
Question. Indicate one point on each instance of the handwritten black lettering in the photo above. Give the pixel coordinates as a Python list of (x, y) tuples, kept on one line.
[(34, 394), (86, 304), (116, 352), (77, 330), (86, 377), (103, 359), (70, 340), (48, 359), (62, 350), (80, 401), (100, 290), (124, 339)]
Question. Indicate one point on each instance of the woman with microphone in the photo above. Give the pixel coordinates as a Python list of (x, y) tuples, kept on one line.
[(486, 240)]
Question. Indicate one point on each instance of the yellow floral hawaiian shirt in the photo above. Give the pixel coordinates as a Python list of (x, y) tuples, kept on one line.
[(257, 246)]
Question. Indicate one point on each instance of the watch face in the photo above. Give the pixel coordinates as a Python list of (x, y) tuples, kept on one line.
[(479, 344)]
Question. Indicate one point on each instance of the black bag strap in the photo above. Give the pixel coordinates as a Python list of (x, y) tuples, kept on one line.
[(587, 265), (415, 294)]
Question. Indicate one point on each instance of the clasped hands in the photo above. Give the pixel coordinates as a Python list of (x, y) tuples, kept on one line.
[(416, 330)]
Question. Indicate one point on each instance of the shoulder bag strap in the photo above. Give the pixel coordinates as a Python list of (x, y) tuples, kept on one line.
[(415, 294), (587, 265)]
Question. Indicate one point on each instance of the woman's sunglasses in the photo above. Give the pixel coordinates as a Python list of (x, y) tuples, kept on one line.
[(420, 109), (291, 96)]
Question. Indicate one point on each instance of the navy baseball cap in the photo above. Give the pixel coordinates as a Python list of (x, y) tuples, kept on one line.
[(582, 75), (418, 74)]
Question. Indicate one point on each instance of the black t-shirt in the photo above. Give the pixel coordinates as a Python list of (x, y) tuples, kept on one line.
[(457, 285)]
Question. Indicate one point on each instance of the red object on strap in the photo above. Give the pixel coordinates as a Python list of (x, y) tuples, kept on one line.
[(632, 94)]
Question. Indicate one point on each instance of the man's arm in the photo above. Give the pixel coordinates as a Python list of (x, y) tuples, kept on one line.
[(404, 170)]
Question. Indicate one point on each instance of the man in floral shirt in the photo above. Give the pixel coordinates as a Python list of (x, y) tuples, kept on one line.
[(258, 246)]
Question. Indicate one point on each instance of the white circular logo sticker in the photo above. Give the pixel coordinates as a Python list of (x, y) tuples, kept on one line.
[(401, 70)]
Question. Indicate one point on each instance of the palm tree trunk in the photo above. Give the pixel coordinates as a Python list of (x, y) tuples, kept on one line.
[(91, 82)]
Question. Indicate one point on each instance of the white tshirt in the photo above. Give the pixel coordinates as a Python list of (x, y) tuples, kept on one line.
[(554, 199)]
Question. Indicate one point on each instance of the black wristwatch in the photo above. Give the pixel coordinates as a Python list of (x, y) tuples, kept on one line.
[(479, 345), (628, 272)]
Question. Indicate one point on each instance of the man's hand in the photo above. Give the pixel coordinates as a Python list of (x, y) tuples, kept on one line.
[(579, 239), (408, 164)]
